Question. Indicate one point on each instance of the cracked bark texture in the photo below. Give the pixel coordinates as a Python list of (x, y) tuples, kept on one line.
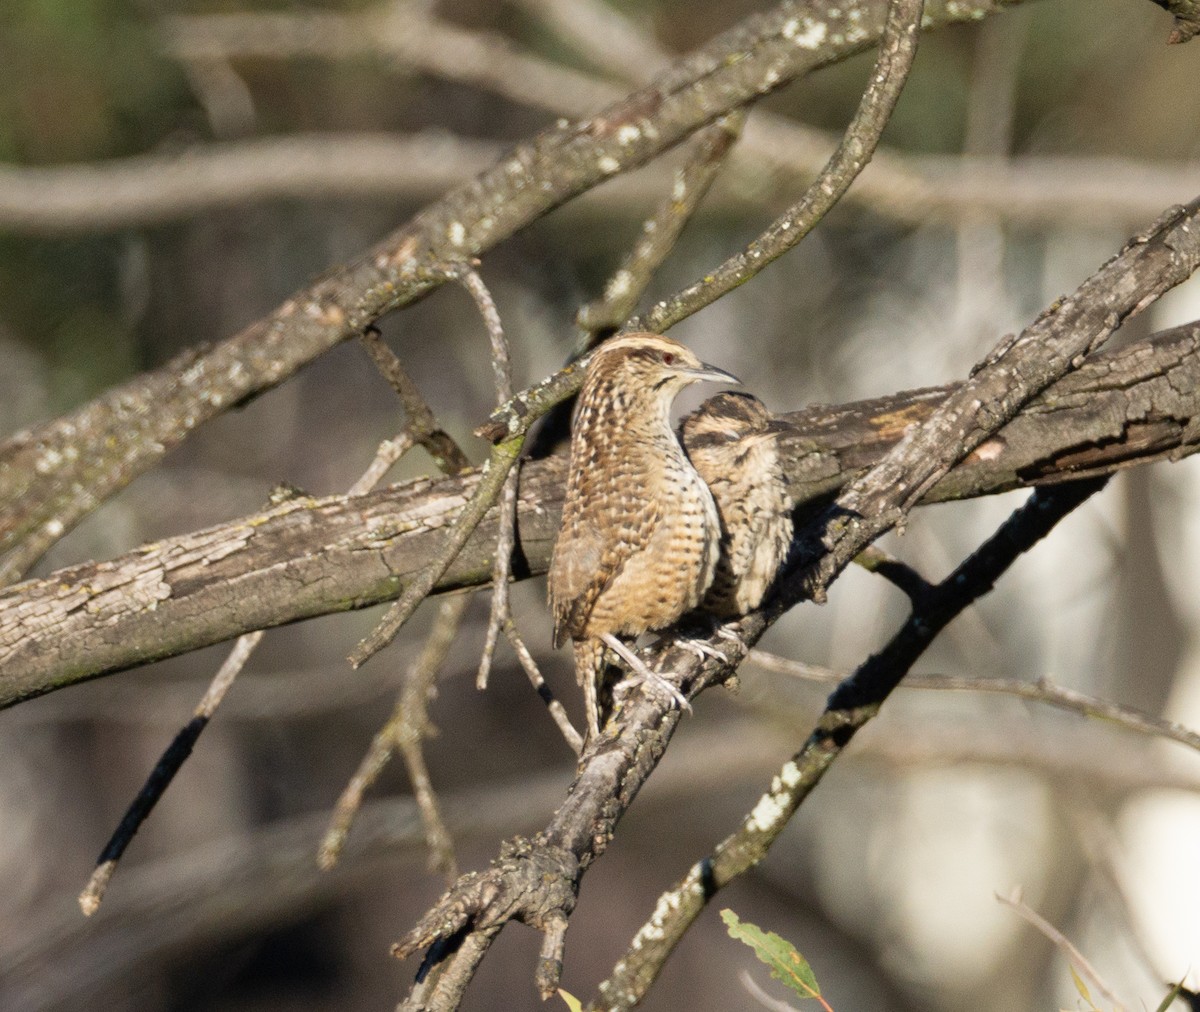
[(309, 557)]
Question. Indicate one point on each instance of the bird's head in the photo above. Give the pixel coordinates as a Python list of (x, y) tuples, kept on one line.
[(731, 417), (654, 364)]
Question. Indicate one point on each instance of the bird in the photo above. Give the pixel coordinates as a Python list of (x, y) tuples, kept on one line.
[(731, 440), (640, 532)]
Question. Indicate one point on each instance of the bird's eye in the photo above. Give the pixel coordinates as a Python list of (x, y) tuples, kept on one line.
[(668, 358)]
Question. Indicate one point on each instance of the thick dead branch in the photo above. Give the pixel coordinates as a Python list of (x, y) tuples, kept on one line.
[(310, 557)]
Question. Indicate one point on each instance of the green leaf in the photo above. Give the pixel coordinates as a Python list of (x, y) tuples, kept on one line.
[(1174, 993), (1082, 988), (779, 954), (573, 1003)]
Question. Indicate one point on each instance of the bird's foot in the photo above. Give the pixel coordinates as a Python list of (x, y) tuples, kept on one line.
[(640, 674), (729, 635), (701, 648)]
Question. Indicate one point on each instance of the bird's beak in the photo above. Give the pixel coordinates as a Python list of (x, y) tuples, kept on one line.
[(711, 374)]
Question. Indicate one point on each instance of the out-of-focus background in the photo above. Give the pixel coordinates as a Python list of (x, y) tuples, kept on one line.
[(886, 879)]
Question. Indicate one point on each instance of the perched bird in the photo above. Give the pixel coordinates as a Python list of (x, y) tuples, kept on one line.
[(640, 532), (731, 441)]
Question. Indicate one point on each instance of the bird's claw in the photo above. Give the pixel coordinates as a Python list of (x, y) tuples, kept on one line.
[(640, 674), (701, 649), (729, 635)]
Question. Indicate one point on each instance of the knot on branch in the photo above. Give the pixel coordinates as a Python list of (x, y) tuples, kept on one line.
[(532, 881)]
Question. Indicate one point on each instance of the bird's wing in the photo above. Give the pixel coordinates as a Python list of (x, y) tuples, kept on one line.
[(590, 555)]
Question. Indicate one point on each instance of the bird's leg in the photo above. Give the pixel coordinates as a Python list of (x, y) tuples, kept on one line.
[(591, 703), (639, 673)]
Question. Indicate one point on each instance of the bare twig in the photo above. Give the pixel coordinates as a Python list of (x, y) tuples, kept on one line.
[(160, 778), (597, 320), (573, 738), (409, 724), (897, 50), (1040, 691), (602, 35), (469, 278), (405, 729), (706, 154), (1074, 956), (498, 615), (419, 418), (390, 451), (403, 34)]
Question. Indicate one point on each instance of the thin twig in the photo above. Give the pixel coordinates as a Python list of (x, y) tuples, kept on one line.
[(390, 451), (469, 278), (164, 772), (705, 156), (1074, 956), (602, 35), (506, 537), (409, 723), (572, 736), (448, 455), (1040, 691), (500, 615), (419, 418), (405, 729), (407, 36), (897, 50)]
